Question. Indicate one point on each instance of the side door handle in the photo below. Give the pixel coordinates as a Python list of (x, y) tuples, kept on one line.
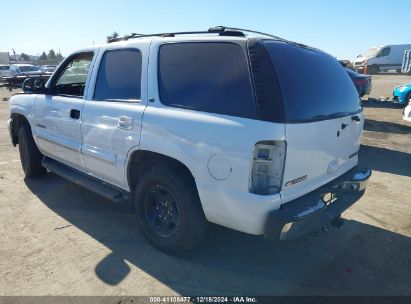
[(125, 122), (75, 114)]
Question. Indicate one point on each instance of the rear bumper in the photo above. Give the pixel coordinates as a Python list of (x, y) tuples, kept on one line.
[(319, 208), (364, 90)]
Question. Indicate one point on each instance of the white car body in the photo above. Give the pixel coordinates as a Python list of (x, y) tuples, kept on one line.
[(217, 149), (407, 113)]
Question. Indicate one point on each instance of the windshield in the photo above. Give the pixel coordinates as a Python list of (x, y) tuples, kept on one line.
[(372, 52), (28, 68), (314, 84)]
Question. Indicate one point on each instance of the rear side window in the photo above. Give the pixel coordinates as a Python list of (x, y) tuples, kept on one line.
[(314, 84), (119, 75), (210, 77)]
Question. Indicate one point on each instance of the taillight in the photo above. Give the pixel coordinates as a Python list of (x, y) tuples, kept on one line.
[(268, 167), (361, 81)]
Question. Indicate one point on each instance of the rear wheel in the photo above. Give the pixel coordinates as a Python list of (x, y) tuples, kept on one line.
[(30, 156), (373, 69), (168, 209)]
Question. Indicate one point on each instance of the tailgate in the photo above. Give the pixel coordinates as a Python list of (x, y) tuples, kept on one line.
[(318, 152), (324, 118)]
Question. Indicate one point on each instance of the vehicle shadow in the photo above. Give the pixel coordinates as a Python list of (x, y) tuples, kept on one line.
[(358, 260), (385, 160), (381, 104), (383, 126)]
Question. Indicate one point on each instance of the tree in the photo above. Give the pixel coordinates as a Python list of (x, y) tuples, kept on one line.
[(43, 57), (51, 56), (25, 57), (112, 36)]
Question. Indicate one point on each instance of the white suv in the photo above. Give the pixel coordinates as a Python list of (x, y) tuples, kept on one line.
[(260, 135)]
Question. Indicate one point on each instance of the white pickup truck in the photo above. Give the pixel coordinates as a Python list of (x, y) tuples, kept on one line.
[(260, 135)]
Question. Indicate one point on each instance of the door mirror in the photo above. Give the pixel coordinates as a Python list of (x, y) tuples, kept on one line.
[(34, 86)]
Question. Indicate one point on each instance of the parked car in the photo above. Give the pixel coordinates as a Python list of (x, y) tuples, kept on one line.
[(4, 70), (24, 69), (195, 129), (48, 69), (382, 58), (362, 82), (402, 94), (407, 113)]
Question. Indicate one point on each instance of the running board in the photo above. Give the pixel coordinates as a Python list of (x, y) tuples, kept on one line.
[(93, 184)]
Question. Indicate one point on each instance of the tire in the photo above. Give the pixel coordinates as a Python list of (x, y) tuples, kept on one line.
[(373, 69), (30, 156), (168, 209)]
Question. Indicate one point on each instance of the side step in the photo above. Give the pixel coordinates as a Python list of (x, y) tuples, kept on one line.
[(99, 187)]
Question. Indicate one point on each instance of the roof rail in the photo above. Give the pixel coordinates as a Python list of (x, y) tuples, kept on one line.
[(221, 30)]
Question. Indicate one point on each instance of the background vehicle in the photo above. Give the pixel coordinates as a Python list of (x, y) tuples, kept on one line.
[(407, 113), (48, 68), (24, 70), (4, 70), (194, 130), (362, 82), (402, 94), (360, 61), (383, 58)]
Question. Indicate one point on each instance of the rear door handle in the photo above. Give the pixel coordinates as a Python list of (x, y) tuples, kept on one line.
[(356, 118), (125, 122), (75, 114)]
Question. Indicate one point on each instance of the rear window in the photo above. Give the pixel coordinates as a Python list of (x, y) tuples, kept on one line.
[(119, 75), (4, 67), (28, 68), (210, 77), (314, 84)]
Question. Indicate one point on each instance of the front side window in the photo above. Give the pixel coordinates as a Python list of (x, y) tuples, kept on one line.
[(72, 78), (210, 77), (119, 75), (385, 52)]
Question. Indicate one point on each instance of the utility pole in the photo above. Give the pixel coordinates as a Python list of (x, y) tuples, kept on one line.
[(15, 58)]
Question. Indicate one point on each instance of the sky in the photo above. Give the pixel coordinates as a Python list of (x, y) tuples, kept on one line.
[(343, 28)]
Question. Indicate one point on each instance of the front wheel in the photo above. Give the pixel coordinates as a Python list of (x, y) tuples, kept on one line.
[(168, 209), (30, 156)]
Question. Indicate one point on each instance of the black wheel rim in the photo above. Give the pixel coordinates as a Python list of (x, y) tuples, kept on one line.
[(161, 211)]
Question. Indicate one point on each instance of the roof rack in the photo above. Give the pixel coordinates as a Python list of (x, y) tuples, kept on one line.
[(221, 30)]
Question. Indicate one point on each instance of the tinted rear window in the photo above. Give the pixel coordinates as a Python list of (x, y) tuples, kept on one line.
[(314, 84), (119, 75), (210, 77), (4, 67)]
